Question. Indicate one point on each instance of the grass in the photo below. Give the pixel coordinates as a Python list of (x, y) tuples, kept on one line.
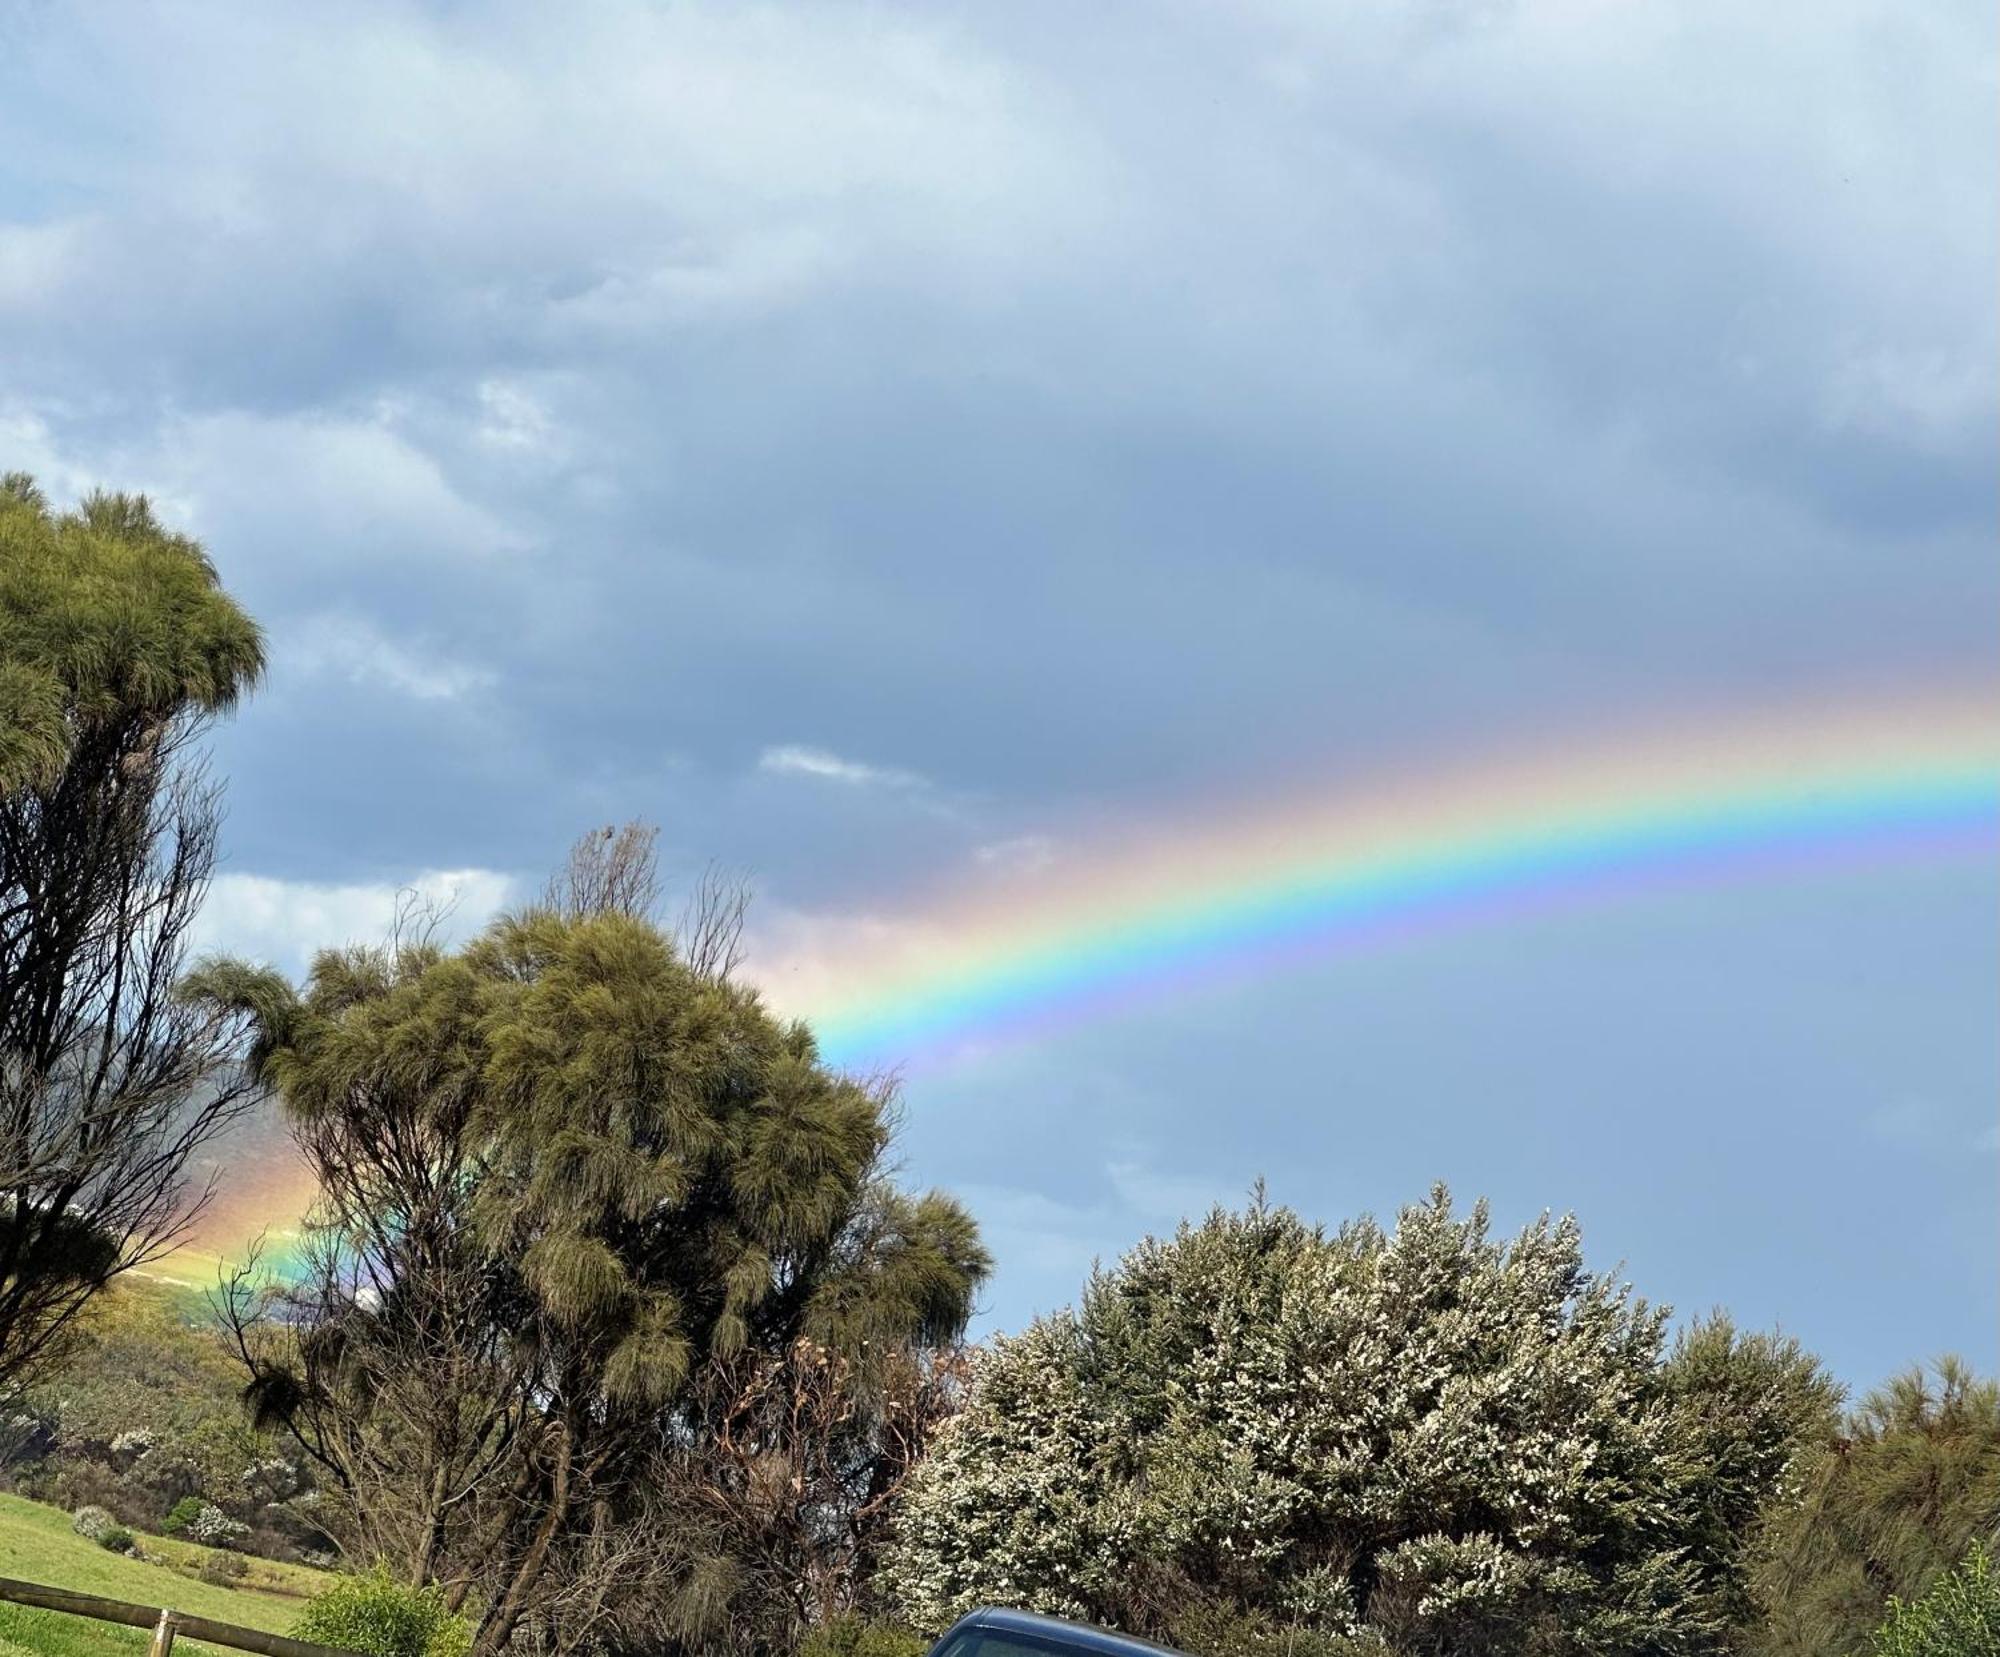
[(37, 1545)]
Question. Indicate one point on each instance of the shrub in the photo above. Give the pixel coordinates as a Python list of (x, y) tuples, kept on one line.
[(858, 1637), (223, 1570), (115, 1537), (181, 1515), (92, 1522), (1958, 1617), (381, 1617), (214, 1528)]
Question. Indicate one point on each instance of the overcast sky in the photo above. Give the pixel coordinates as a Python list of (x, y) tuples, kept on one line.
[(881, 443)]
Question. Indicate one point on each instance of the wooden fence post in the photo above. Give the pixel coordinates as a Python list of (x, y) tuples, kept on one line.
[(163, 1635)]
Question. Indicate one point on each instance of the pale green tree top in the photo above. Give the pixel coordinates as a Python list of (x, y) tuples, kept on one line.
[(106, 614)]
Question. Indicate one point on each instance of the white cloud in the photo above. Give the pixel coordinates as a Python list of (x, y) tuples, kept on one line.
[(789, 760), (1156, 1195), (513, 421), (283, 923), (357, 485), (30, 446), (1022, 854), (353, 648)]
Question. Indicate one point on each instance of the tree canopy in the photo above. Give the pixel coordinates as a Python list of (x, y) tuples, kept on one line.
[(571, 1178)]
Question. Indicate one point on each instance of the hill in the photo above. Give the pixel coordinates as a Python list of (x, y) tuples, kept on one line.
[(37, 1545)]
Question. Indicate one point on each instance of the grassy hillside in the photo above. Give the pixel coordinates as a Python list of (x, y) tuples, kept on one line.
[(37, 1545)]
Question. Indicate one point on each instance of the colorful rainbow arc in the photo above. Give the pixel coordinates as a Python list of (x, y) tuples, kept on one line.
[(1788, 794), (1352, 869)]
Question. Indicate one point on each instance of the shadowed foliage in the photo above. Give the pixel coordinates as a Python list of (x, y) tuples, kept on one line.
[(1882, 1510)]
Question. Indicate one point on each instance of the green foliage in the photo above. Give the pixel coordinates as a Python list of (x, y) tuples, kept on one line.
[(146, 1363), (1255, 1433), (1208, 1628), (857, 1637), (223, 1569), (105, 613), (631, 1180), (1747, 1406), (1879, 1511), (91, 1522), (380, 1617), (115, 1539), (1958, 1617), (182, 1514)]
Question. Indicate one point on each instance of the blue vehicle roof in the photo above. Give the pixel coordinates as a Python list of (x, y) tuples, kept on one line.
[(1057, 1631)]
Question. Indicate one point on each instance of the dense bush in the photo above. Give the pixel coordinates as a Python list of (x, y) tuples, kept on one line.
[(381, 1617), (1959, 1617), (116, 1538), (182, 1514), (91, 1522), (1256, 1436), (857, 1637)]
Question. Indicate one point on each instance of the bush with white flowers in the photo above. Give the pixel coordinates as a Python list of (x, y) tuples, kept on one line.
[(214, 1528), (1260, 1436)]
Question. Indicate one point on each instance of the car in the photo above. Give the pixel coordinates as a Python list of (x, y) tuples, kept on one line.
[(995, 1631)]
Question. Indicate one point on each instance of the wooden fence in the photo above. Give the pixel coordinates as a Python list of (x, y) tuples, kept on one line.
[(164, 1622)]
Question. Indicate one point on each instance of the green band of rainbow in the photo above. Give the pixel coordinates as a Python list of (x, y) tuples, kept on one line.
[(1256, 895)]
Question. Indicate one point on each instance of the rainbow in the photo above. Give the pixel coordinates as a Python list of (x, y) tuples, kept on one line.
[(1356, 866), (1351, 867)]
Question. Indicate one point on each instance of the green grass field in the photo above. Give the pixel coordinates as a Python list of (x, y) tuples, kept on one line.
[(37, 1545)]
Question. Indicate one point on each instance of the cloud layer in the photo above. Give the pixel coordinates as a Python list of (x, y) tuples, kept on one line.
[(887, 444)]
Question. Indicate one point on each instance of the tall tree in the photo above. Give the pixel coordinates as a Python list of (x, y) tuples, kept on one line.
[(118, 646), (1881, 1509), (609, 1177)]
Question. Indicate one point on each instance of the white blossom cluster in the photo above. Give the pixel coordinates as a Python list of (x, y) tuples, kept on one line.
[(1426, 1437), (215, 1528)]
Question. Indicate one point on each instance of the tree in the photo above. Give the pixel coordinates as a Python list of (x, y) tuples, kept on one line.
[(572, 1180), (1749, 1407), (1255, 1434), (118, 646), (1881, 1511)]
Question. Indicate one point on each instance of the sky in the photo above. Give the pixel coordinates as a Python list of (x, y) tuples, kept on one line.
[(909, 452)]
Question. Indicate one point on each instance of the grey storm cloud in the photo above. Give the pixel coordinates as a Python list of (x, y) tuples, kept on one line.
[(1050, 415)]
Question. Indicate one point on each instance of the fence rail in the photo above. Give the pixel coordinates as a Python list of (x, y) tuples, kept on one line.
[(164, 1622)]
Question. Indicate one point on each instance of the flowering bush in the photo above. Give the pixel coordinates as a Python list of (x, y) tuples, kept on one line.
[(1259, 1436), (214, 1528), (129, 1446), (91, 1522)]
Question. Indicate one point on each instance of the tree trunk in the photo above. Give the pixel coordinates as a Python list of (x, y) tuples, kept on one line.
[(499, 1624)]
